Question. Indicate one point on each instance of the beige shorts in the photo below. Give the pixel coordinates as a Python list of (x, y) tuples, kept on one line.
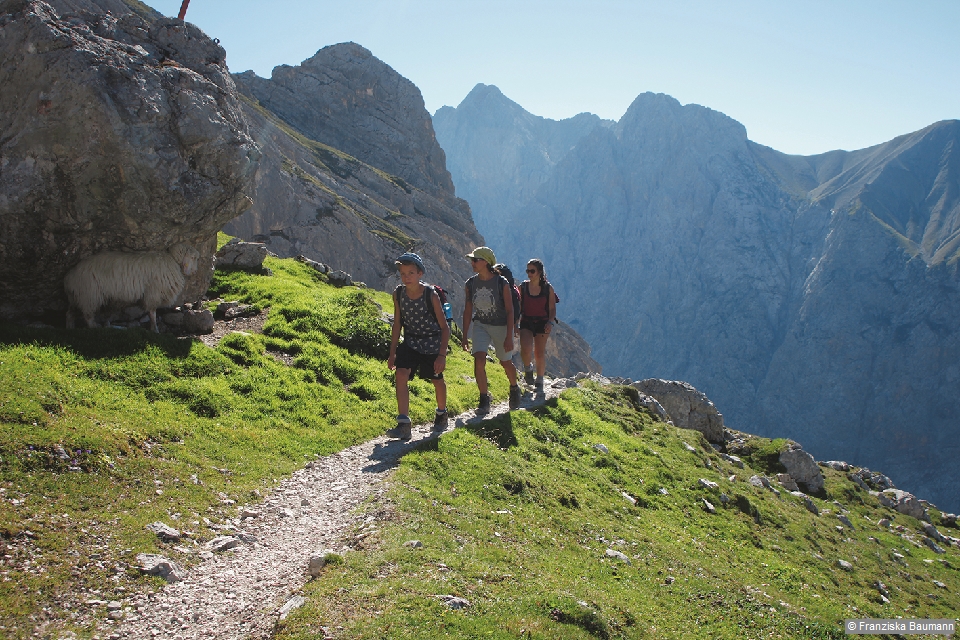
[(483, 335)]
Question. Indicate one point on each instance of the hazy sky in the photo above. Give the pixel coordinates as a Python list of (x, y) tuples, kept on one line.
[(803, 76)]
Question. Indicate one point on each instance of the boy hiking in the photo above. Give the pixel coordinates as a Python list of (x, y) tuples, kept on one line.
[(489, 306), (417, 311)]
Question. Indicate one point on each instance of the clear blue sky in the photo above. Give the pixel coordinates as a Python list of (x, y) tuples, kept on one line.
[(803, 76)]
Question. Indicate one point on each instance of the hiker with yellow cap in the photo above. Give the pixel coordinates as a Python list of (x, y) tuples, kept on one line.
[(488, 319)]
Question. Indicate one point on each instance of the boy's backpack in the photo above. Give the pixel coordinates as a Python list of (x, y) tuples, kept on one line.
[(427, 288), (507, 275)]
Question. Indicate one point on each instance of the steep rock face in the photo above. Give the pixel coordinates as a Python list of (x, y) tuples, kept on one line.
[(310, 199), (809, 297), (116, 132), (346, 98), (313, 199), (499, 154)]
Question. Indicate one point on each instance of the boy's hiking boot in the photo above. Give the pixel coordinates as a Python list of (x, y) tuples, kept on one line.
[(484, 405), (514, 397), (528, 377), (539, 387), (402, 431), (440, 421)]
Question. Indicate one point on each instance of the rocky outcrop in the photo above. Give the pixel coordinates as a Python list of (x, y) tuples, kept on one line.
[(687, 407), (802, 468), (116, 133), (811, 297)]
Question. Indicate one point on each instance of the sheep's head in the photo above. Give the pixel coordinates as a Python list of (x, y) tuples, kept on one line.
[(187, 257)]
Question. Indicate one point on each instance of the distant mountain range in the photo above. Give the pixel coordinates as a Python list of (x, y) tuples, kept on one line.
[(813, 297)]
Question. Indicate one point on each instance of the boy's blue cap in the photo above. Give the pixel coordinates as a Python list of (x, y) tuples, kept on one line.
[(411, 258)]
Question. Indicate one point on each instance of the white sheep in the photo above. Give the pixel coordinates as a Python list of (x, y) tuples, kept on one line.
[(149, 279)]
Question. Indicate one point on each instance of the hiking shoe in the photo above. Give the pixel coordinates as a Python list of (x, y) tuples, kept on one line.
[(440, 421), (528, 377), (539, 387), (514, 397), (484, 405), (403, 431)]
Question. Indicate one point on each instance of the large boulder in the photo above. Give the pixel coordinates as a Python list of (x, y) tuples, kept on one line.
[(688, 408), (802, 467), (118, 131)]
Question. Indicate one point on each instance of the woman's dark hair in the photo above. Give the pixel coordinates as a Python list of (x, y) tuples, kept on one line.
[(538, 263)]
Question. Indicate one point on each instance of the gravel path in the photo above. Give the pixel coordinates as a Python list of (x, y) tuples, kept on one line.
[(239, 593)]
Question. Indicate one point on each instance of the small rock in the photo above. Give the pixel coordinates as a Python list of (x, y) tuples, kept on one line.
[(156, 565), (318, 561), (285, 513), (707, 484), (709, 508), (669, 580), (836, 465), (602, 448), (413, 544), (884, 522), (629, 498), (454, 602), (304, 502), (939, 584), (249, 513), (689, 448), (931, 531), (846, 521), (223, 543), (663, 491), (113, 605), (734, 460), (290, 605), (724, 498), (164, 532), (933, 545), (843, 564), (617, 555)]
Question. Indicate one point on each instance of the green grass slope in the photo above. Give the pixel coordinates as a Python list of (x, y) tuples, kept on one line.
[(104, 431), (526, 517)]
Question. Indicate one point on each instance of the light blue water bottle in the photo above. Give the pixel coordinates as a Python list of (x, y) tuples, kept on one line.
[(448, 312)]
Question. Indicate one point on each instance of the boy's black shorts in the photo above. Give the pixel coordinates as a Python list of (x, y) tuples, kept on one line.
[(421, 363)]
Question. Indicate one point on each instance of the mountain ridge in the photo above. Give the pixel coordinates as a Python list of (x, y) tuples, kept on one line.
[(689, 252)]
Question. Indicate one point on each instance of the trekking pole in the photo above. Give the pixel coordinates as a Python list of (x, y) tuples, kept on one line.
[(183, 9)]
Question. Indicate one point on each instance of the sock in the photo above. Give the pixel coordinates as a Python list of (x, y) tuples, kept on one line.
[(403, 418), (440, 411)]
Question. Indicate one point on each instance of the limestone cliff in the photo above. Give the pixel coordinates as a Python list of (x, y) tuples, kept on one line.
[(358, 209), (809, 297), (116, 133)]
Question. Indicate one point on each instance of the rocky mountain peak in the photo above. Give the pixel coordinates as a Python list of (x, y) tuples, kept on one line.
[(345, 97), (655, 121)]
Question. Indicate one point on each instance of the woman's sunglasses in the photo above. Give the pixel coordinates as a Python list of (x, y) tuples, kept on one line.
[(531, 271)]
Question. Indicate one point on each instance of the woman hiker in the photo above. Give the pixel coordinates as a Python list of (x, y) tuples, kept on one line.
[(489, 307), (538, 315)]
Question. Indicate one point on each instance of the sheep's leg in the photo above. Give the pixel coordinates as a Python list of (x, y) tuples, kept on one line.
[(90, 320), (153, 320), (71, 319)]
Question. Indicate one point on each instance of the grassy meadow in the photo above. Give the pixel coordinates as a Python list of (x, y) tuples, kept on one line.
[(103, 431), (545, 533)]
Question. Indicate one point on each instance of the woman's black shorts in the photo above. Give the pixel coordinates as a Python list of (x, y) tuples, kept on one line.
[(537, 326)]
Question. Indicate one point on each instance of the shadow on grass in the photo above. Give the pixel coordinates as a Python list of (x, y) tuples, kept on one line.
[(95, 343)]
